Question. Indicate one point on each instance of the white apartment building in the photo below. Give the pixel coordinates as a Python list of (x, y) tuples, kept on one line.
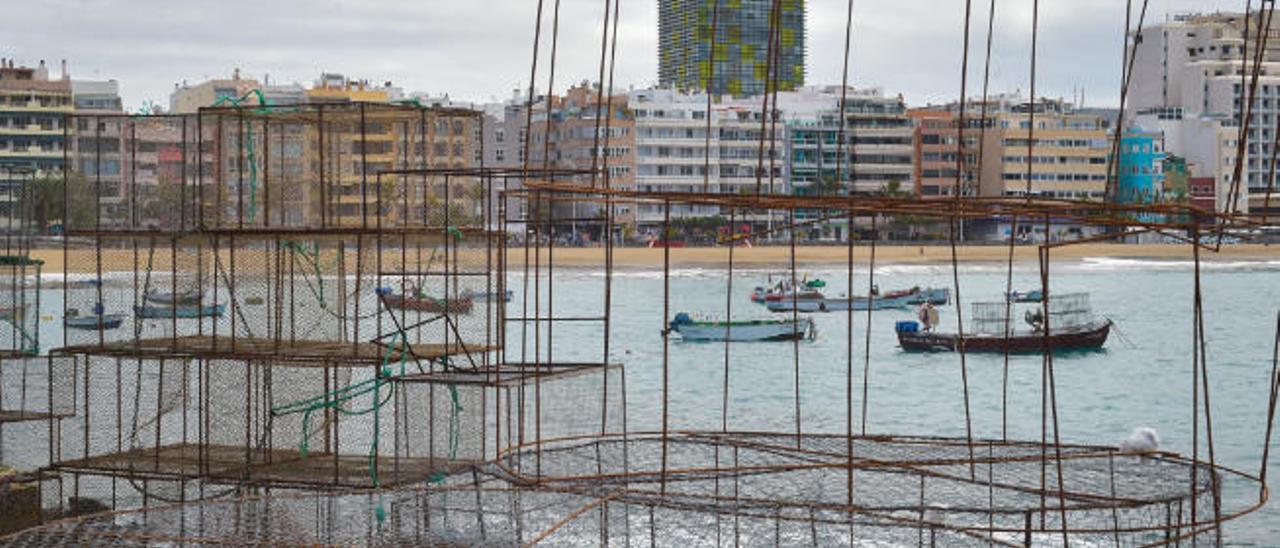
[(671, 150), (1192, 71)]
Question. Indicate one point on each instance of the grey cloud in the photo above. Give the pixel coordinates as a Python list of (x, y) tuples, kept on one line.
[(481, 48)]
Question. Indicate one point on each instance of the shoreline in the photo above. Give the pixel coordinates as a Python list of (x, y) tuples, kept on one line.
[(631, 258)]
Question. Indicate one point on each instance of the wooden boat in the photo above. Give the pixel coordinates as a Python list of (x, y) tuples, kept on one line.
[(895, 299), (1033, 296), (179, 311), (94, 322), (1072, 326), (504, 296), (1090, 336), (185, 298), (459, 305), (742, 331), (937, 296), (781, 290)]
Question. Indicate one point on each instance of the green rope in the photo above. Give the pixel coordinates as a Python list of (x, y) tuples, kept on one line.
[(335, 399), (249, 143)]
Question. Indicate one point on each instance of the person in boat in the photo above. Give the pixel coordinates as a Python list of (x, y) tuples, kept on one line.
[(875, 290), (928, 316)]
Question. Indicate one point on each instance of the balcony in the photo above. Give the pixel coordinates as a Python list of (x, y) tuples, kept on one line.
[(36, 106), (31, 129), (30, 152)]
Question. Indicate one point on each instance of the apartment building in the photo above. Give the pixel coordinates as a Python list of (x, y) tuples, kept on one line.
[(98, 147), (582, 131), (671, 149), (878, 148), (1197, 64), (1067, 150), (32, 117), (187, 99), (937, 135), (1140, 168)]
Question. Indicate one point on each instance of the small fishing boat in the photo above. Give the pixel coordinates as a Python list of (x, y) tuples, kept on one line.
[(94, 322), (893, 300), (1033, 296), (1071, 327), (743, 330), (936, 296), (1089, 336), (179, 311), (495, 296), (185, 298), (422, 303), (781, 290)]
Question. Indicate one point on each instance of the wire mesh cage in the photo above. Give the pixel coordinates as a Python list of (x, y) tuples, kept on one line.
[(20, 283), (1066, 311), (36, 387), (888, 490), (725, 488)]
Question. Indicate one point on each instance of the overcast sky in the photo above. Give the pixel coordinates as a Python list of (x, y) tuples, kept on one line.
[(480, 49)]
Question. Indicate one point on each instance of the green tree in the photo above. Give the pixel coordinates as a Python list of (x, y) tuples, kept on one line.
[(827, 185), (893, 189), (162, 205), (47, 195)]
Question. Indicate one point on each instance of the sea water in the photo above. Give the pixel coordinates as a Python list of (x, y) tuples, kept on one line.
[(1142, 378)]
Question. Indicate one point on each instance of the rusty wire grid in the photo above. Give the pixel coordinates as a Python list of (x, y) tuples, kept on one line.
[(348, 246)]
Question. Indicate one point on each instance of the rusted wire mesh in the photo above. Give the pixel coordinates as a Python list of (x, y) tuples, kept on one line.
[(754, 489)]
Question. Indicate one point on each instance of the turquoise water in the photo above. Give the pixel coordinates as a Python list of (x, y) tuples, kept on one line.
[(1142, 378)]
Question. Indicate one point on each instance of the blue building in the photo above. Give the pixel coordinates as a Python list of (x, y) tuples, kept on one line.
[(1141, 169)]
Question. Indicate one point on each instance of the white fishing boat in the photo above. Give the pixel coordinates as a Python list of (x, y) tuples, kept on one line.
[(893, 300), (742, 330)]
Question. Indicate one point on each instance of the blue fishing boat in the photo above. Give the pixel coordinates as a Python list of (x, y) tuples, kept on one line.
[(185, 298), (936, 296), (1032, 296), (183, 311), (504, 296), (742, 330), (94, 322)]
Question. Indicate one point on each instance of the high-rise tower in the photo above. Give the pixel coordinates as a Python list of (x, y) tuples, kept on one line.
[(741, 46)]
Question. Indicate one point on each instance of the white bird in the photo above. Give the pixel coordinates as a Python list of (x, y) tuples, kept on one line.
[(1141, 441)]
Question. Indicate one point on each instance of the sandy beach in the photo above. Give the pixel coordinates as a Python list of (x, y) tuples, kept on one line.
[(125, 260)]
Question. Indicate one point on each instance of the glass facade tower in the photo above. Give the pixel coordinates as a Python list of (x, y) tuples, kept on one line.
[(741, 45)]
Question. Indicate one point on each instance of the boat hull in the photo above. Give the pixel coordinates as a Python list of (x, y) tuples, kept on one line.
[(94, 323), (494, 296), (181, 312), (835, 305), (937, 296), (441, 306), (192, 298), (765, 330), (1090, 336)]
